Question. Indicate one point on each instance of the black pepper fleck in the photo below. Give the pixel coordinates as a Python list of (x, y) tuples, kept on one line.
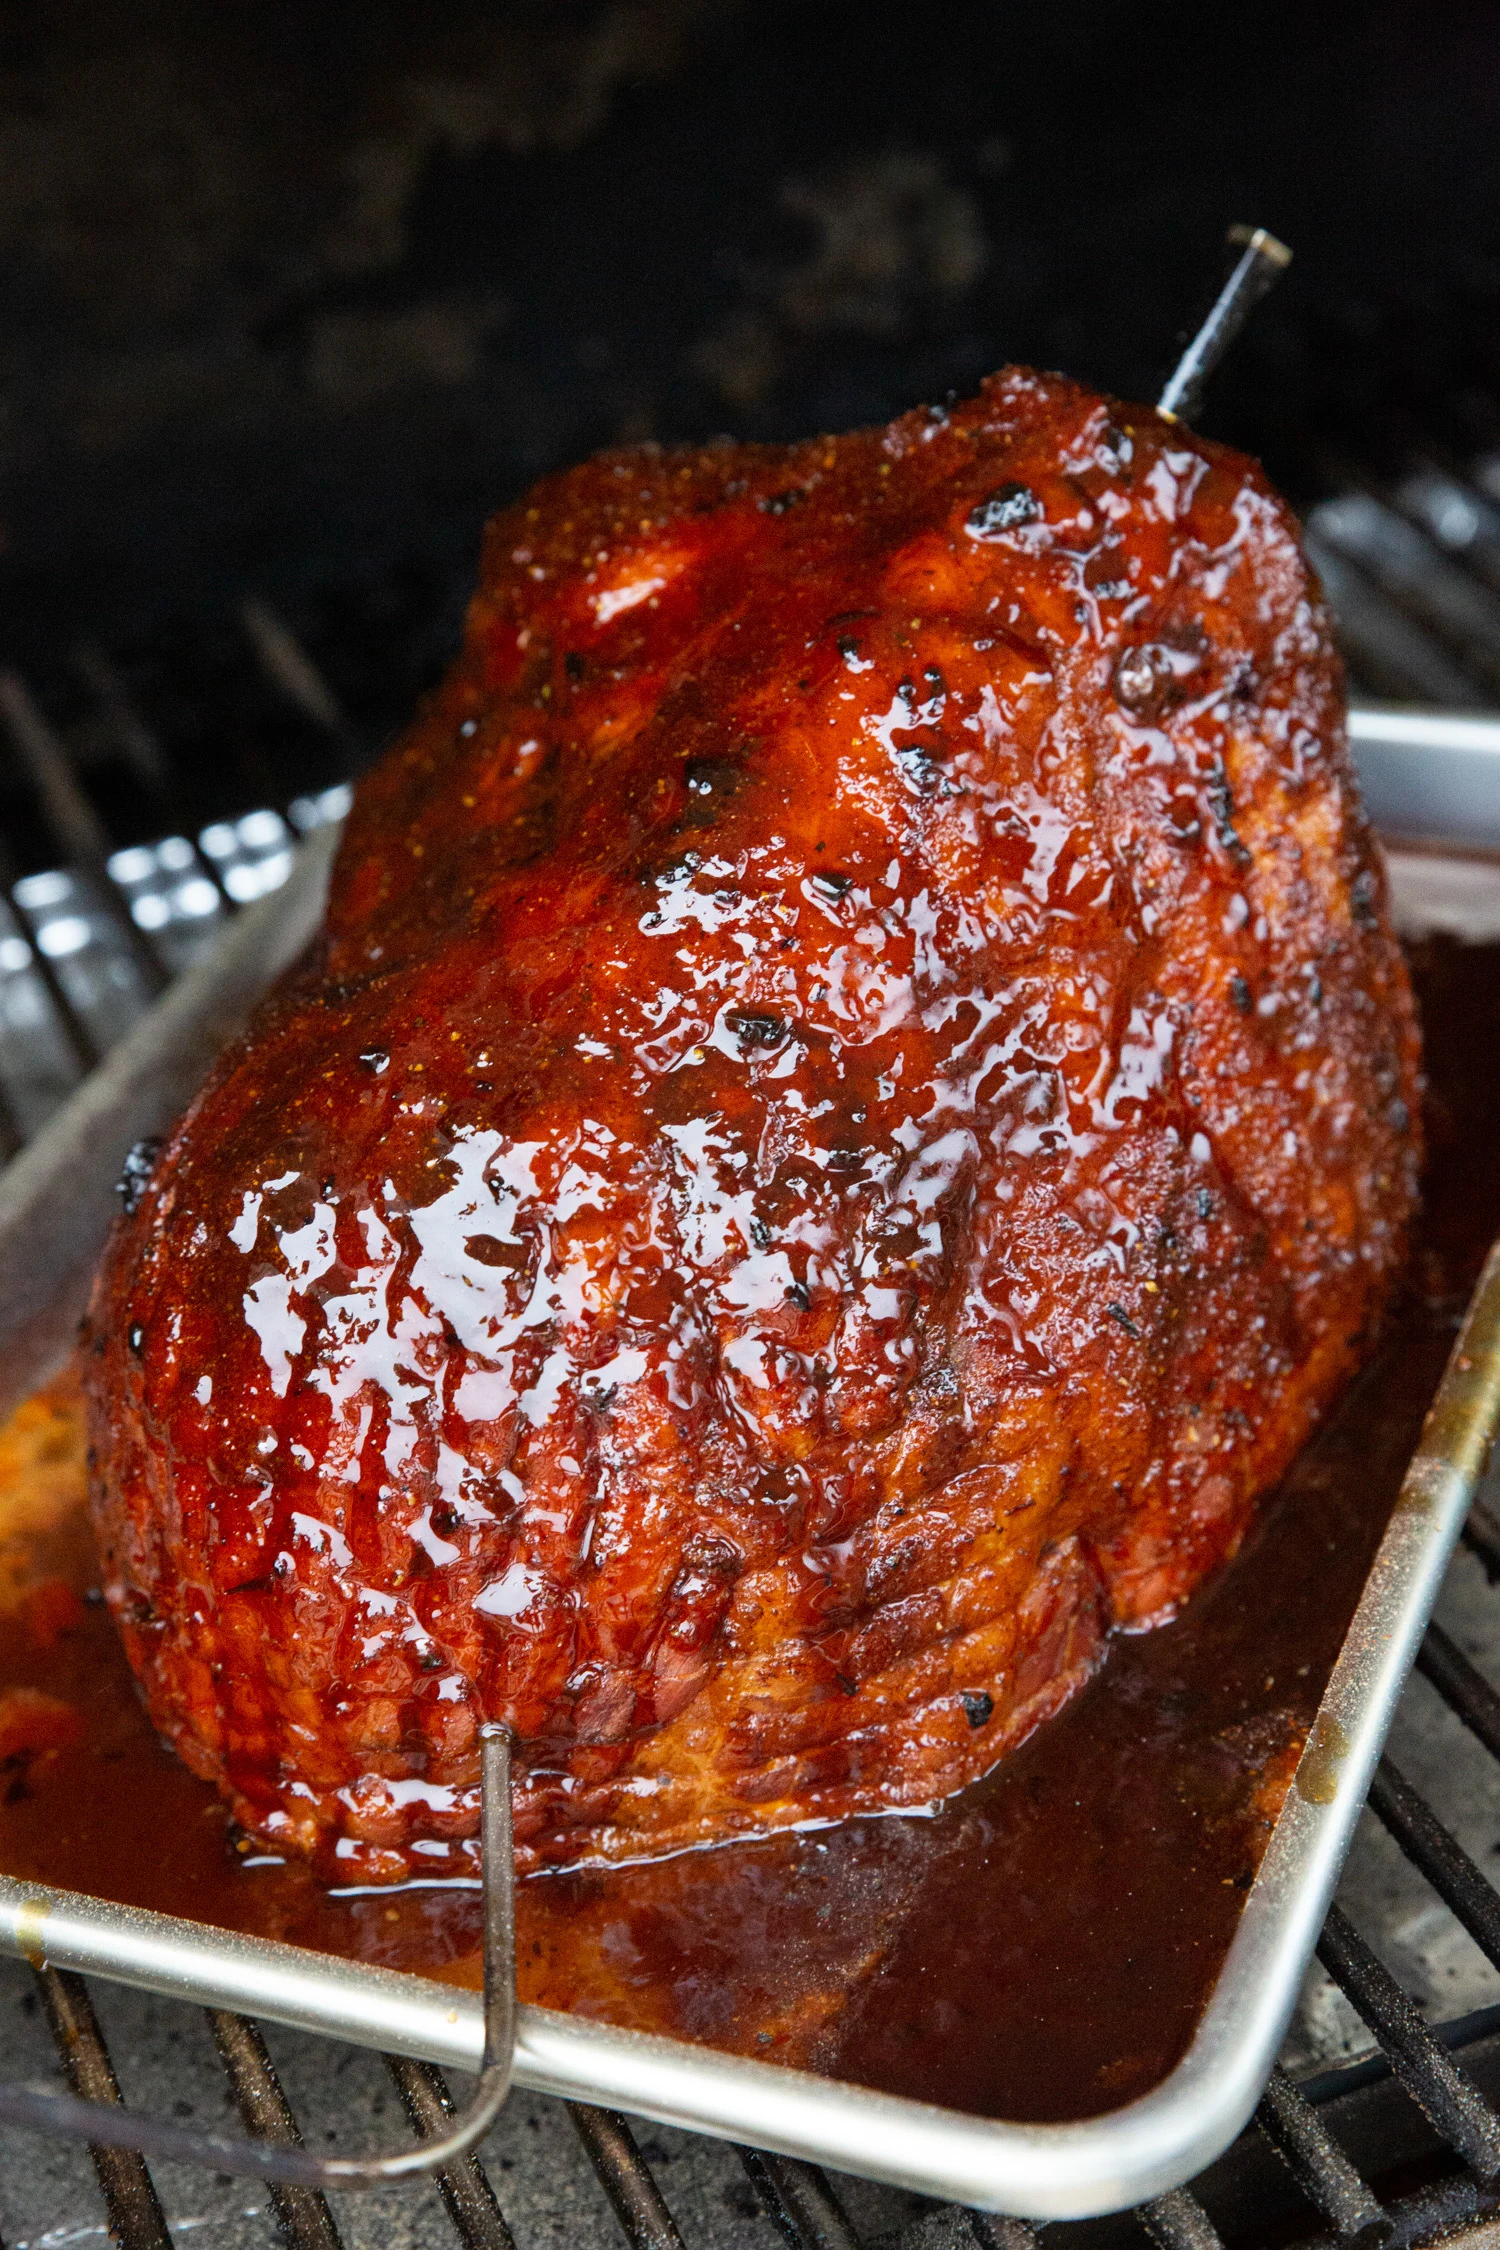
[(1005, 510), (135, 1174)]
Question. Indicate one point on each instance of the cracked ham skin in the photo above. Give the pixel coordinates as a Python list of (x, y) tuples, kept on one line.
[(856, 1104)]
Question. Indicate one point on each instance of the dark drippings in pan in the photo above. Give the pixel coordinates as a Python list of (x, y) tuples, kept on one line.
[(1042, 1948)]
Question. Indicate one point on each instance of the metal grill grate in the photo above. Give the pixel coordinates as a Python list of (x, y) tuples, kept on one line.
[(99, 909)]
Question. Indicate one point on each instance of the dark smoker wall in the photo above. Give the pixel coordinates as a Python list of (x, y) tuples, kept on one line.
[(294, 294)]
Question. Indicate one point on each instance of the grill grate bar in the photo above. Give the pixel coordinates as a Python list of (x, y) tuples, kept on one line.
[(130, 928), (1438, 1856), (1314, 2159), (80, 1040), (139, 742), (468, 2197), (130, 2200), (1463, 1689), (288, 666), (79, 832), (77, 827), (1453, 512), (1394, 656), (306, 2221), (799, 2199), (992, 2232), (1457, 2210), (1481, 1535), (1441, 2087), (637, 2200), (1416, 577), (1178, 2221), (136, 740), (12, 1139), (79, 1044)]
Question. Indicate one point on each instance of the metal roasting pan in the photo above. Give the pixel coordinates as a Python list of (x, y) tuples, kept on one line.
[(1427, 777)]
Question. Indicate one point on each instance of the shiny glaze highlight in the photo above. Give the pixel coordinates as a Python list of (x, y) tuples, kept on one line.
[(854, 1108)]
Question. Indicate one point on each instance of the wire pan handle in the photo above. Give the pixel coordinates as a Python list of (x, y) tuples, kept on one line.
[(108, 2125)]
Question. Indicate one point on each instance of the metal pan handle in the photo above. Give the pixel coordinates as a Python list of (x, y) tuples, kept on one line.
[(108, 2125)]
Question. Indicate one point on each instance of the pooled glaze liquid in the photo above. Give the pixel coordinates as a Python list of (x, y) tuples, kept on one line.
[(1040, 1950)]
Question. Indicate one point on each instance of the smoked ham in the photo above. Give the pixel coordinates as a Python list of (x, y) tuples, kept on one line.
[(856, 1104)]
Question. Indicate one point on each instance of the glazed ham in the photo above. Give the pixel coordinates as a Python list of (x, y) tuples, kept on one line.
[(855, 1105)]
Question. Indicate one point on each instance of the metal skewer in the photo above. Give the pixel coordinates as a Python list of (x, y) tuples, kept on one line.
[(1262, 261), (109, 2125)]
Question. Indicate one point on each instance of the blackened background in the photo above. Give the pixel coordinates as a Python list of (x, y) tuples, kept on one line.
[(292, 295)]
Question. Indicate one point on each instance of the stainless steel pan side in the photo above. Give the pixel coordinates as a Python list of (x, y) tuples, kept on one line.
[(1429, 776), (1038, 2171)]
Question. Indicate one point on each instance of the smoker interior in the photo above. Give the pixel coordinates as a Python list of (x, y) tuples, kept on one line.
[(289, 305)]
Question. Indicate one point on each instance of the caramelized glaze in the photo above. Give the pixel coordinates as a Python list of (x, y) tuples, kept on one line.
[(855, 1108)]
